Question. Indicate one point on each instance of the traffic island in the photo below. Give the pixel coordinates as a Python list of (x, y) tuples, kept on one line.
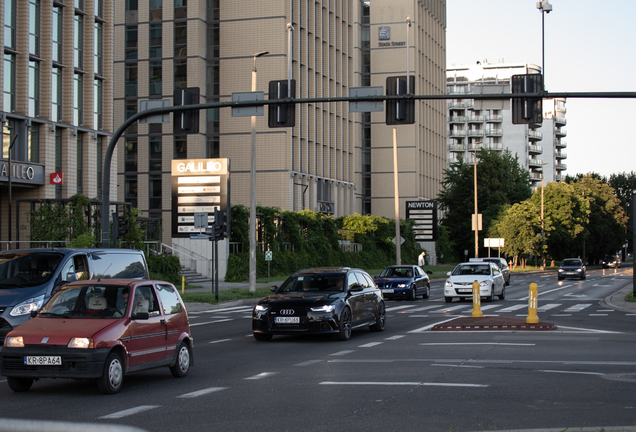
[(491, 323)]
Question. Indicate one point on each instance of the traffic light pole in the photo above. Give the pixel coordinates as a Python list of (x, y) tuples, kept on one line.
[(398, 237), (216, 270)]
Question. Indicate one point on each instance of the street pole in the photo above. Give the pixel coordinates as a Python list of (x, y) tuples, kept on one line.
[(476, 214), (398, 237), (633, 245), (542, 222)]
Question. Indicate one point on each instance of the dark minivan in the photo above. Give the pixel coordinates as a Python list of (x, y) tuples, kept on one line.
[(28, 277)]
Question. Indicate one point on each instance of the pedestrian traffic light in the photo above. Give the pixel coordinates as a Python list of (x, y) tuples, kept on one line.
[(186, 122), (281, 115), (527, 110), (400, 111), (220, 225)]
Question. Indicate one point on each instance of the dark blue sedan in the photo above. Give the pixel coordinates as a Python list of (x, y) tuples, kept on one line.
[(403, 281)]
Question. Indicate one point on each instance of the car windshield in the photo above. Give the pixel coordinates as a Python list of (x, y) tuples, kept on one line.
[(397, 272), (88, 301), (319, 282), (27, 269), (472, 269), (571, 263)]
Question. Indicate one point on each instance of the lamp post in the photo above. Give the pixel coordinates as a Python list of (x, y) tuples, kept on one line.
[(476, 217), (545, 7), (253, 188), (542, 222)]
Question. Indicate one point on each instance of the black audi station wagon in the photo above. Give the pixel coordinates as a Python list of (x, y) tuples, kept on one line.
[(331, 300)]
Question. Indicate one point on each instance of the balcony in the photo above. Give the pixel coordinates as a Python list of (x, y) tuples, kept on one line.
[(560, 133), (534, 135), (475, 119), (496, 146), (561, 144), (494, 118), (477, 146), (560, 155), (535, 163), (559, 177), (535, 149), (535, 176), (475, 133), (561, 166), (459, 133), (456, 105), (453, 158), (558, 121), (456, 119), (494, 132), (457, 147)]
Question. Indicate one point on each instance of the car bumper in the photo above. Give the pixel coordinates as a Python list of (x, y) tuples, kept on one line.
[(392, 293), (459, 292), (76, 363), (570, 275), (311, 324)]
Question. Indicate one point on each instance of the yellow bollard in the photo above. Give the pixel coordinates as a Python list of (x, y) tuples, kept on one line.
[(477, 313), (182, 284), (532, 305)]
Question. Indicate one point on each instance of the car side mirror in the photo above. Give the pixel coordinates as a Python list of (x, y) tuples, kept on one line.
[(141, 316), (33, 314), (356, 288), (71, 277), (428, 272), (274, 288), (375, 276)]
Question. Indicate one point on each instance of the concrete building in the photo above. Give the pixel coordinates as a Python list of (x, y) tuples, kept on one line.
[(56, 113), (471, 128)]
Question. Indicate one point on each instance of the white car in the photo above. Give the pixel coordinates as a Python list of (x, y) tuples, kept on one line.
[(460, 281)]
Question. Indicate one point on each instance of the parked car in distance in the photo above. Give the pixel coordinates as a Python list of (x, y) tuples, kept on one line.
[(100, 330), (328, 300), (487, 274), (611, 261), (28, 277), (572, 268), (403, 281), (501, 263)]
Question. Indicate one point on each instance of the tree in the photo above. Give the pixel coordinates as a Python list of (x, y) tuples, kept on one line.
[(501, 181), (624, 186)]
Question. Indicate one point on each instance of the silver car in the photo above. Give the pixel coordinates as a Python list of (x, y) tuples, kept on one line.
[(487, 274)]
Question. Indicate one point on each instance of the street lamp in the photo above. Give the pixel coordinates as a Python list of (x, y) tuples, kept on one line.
[(253, 188), (542, 221), (543, 6)]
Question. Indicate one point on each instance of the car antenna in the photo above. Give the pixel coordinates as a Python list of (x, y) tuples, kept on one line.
[(100, 278)]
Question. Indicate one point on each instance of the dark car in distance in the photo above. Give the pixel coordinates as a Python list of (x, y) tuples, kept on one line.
[(327, 300), (572, 268), (403, 281), (611, 261), (503, 266)]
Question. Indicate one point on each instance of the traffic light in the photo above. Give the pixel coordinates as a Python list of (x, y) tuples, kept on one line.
[(401, 111), (281, 115), (527, 110), (220, 225), (186, 122), (122, 226)]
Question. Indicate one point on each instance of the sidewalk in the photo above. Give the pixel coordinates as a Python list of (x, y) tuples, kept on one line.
[(198, 307)]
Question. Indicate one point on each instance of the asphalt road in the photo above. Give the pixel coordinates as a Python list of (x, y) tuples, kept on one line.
[(406, 378)]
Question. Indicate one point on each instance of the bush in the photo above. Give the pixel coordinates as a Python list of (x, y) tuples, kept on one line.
[(165, 267)]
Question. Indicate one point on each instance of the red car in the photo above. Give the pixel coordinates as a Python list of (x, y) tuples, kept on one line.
[(100, 330)]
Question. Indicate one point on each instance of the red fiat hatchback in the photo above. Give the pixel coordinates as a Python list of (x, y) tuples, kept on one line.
[(100, 330)]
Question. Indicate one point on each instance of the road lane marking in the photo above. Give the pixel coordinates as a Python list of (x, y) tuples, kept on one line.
[(548, 306), (458, 366), (401, 384), (308, 363), (396, 337), (577, 307), (394, 308), (561, 315), (228, 309), (129, 412), (370, 344), (200, 392), (341, 353), (570, 372), (428, 327), (597, 315), (220, 340), (589, 330), (420, 309), (547, 292), (451, 308), (605, 310), (210, 322), (513, 308), (261, 375), (478, 343), (418, 316)]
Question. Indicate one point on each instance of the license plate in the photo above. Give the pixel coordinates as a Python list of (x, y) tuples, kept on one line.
[(287, 320), (43, 360), (388, 291), (465, 290), (571, 273)]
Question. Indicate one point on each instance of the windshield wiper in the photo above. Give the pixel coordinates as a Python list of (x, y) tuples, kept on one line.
[(4, 284), (52, 314)]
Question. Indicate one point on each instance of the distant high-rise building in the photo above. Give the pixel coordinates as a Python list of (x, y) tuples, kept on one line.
[(538, 146)]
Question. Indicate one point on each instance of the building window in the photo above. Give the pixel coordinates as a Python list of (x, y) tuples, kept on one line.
[(56, 95), (8, 135), (99, 165), (131, 42), (131, 108), (180, 147), (154, 192), (58, 160), (79, 4), (80, 162), (56, 34), (180, 39), (180, 74), (132, 5), (78, 99), (98, 43), (180, 9), (33, 148), (213, 148), (97, 105), (34, 89), (99, 8), (9, 82), (34, 27), (131, 80), (9, 23), (130, 155), (78, 42), (155, 153), (130, 190), (155, 85), (156, 10), (155, 41)]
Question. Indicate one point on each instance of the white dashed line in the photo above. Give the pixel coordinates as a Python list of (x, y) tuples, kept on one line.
[(129, 412), (370, 344), (341, 353), (261, 375), (201, 392)]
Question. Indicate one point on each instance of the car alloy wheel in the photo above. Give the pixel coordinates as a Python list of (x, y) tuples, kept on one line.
[(182, 365), (413, 292), (427, 292), (113, 377), (503, 293), (344, 326), (380, 319)]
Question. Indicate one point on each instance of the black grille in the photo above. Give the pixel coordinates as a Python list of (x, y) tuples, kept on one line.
[(16, 363), (4, 323)]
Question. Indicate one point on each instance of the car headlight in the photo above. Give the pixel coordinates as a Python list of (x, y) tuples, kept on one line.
[(484, 283), (402, 285), (25, 307), (325, 308), (578, 270), (448, 284), (260, 308), (14, 342), (80, 342), (561, 270)]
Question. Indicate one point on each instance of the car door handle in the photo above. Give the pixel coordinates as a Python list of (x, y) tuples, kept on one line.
[(163, 322)]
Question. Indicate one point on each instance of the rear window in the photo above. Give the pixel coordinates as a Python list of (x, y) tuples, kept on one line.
[(118, 265)]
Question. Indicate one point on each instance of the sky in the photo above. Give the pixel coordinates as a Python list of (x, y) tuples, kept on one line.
[(590, 46)]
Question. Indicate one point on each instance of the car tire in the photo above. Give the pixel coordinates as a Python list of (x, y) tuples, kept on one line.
[(583, 276), (263, 337), (503, 293), (508, 281), (413, 294), (19, 385), (427, 292), (448, 299), (344, 325), (182, 364), (491, 297), (380, 319), (113, 376)]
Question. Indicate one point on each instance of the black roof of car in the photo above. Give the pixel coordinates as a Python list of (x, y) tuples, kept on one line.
[(325, 270)]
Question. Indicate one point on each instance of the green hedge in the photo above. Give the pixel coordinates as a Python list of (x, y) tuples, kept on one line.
[(166, 268)]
